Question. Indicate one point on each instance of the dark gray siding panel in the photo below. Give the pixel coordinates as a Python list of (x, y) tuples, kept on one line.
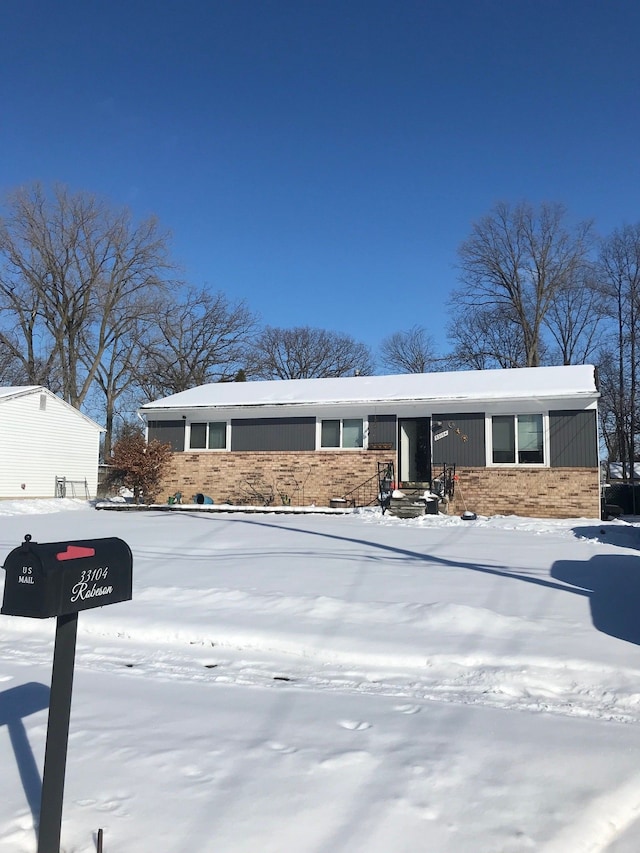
[(168, 432), (573, 439), (383, 429), (464, 443), (273, 434)]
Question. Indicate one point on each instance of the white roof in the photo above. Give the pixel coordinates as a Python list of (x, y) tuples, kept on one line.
[(7, 391), (519, 384), (16, 390)]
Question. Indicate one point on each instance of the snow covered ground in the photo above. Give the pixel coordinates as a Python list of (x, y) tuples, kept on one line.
[(324, 684)]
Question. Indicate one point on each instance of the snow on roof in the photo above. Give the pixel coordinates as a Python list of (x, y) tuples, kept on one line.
[(516, 384), (14, 390), (7, 391)]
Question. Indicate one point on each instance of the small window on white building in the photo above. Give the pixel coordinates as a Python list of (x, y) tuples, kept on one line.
[(43, 402)]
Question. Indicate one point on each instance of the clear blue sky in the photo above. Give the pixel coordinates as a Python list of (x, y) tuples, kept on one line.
[(323, 159)]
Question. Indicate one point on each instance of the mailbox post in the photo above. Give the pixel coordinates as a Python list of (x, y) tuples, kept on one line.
[(60, 579)]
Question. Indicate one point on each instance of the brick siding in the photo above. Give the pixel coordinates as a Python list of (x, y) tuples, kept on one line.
[(304, 477), (317, 477), (533, 492)]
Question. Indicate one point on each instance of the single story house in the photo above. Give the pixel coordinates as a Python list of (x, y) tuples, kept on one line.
[(47, 448), (523, 441)]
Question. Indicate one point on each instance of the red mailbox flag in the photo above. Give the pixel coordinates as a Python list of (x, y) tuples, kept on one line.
[(74, 552)]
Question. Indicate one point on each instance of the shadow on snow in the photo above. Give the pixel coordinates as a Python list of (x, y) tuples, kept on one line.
[(16, 703), (611, 582)]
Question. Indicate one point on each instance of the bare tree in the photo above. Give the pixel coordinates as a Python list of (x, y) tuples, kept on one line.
[(612, 408), (13, 369), (305, 353), (484, 339), (198, 337), (72, 276), (517, 260), (619, 271), (575, 318), (116, 376), (412, 351), (24, 339)]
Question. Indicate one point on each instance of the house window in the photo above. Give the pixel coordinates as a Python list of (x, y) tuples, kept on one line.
[(346, 433), (330, 434), (517, 439), (352, 432), (208, 436)]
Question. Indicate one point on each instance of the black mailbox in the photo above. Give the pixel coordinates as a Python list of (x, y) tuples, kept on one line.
[(60, 578)]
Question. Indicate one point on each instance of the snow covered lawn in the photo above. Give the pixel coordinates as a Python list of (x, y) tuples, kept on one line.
[(324, 684)]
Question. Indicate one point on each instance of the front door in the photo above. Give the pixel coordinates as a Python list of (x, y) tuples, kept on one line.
[(414, 450)]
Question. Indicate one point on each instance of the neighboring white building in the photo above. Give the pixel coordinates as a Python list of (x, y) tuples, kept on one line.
[(44, 440)]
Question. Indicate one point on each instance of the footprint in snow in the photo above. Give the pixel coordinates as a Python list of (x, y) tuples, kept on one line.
[(354, 725), (116, 805), (407, 709), (276, 746)]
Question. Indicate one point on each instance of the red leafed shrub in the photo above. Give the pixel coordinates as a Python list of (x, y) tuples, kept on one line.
[(139, 466)]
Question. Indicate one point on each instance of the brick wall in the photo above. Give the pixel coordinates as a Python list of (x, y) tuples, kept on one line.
[(534, 492), (316, 477), (305, 477)]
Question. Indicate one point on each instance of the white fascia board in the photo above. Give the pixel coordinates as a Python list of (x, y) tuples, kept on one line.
[(399, 407), (178, 411), (89, 420)]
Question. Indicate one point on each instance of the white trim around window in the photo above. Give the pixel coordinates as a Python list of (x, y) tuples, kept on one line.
[(518, 440), (340, 433), (207, 435)]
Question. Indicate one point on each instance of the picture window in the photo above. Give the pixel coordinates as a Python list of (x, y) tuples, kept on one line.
[(345, 433), (208, 436), (517, 439)]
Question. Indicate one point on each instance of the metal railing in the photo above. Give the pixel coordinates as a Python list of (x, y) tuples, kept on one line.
[(372, 490), (66, 488)]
